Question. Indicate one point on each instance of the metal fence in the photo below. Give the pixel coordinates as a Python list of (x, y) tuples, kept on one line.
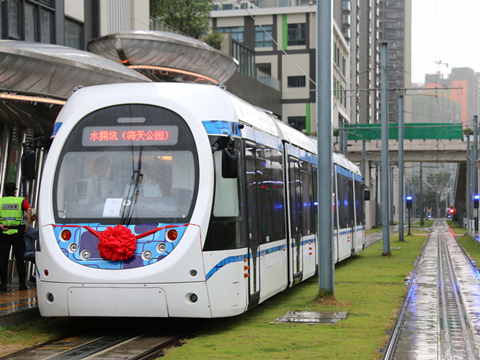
[(269, 80), (156, 24)]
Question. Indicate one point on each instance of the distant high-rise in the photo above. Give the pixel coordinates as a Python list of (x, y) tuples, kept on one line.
[(465, 83), (395, 23)]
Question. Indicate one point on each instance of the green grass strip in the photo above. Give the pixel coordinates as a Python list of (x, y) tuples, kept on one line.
[(426, 223), (369, 286), (471, 246), (457, 229), (372, 230)]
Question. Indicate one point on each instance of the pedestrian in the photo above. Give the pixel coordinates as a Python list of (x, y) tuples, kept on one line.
[(13, 229), (30, 236)]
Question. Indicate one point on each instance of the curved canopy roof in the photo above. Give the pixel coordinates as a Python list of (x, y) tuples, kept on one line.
[(164, 56), (54, 71), (45, 74)]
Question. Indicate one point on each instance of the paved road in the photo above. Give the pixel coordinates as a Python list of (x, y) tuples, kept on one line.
[(378, 235)]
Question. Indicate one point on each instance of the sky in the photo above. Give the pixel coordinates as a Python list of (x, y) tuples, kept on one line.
[(445, 31)]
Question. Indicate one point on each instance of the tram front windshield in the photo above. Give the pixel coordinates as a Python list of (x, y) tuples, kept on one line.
[(131, 174)]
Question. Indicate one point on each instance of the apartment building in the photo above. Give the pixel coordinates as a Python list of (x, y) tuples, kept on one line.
[(283, 36), (70, 22)]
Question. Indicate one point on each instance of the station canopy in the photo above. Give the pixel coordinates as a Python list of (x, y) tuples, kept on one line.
[(166, 56), (36, 79)]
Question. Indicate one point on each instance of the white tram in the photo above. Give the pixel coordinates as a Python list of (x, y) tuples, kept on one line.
[(180, 200)]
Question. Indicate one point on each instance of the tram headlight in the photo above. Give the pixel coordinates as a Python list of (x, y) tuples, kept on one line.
[(161, 248), (147, 255), (73, 247), (85, 254), (66, 235), (193, 298), (171, 235)]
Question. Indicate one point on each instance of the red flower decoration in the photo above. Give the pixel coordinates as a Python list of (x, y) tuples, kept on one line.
[(117, 243)]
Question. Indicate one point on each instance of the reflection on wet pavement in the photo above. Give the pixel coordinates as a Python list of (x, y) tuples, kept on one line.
[(441, 315)]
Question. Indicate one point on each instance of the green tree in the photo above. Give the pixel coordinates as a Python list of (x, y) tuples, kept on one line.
[(214, 40), (434, 185), (189, 16)]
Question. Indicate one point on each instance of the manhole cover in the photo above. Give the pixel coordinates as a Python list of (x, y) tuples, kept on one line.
[(311, 317)]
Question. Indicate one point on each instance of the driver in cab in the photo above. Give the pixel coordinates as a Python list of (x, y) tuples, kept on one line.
[(146, 186)]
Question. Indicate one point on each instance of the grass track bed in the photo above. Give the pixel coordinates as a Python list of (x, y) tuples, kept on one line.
[(369, 286)]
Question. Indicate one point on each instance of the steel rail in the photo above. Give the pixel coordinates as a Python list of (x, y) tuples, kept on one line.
[(391, 346), (444, 338), (461, 311), (104, 343)]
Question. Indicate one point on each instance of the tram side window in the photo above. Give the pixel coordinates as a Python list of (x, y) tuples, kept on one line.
[(334, 199), (315, 200), (226, 202), (359, 207), (270, 181), (351, 202), (277, 191), (343, 212), (225, 229), (251, 193), (306, 179), (295, 196), (263, 188)]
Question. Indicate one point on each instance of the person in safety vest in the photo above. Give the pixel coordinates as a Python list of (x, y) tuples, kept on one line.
[(13, 228)]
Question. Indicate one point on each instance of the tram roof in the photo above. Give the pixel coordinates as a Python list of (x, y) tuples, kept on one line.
[(253, 116), (166, 56), (341, 160), (296, 137)]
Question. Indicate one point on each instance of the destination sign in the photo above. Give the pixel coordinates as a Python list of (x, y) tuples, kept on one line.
[(129, 135)]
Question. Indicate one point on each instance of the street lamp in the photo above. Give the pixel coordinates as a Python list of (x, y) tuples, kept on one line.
[(409, 207), (476, 199)]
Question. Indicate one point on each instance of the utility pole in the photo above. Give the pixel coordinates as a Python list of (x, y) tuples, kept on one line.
[(409, 209), (363, 160), (474, 168), (377, 211), (324, 98), (468, 194), (438, 210), (400, 169), (421, 195), (472, 193), (391, 195), (384, 173)]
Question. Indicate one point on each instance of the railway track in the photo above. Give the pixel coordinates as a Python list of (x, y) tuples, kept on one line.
[(455, 336), (434, 322), (119, 339)]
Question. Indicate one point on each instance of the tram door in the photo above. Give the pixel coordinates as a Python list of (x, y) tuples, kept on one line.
[(296, 219), (253, 230)]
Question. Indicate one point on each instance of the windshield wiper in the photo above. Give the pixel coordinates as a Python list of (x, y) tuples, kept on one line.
[(131, 198)]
